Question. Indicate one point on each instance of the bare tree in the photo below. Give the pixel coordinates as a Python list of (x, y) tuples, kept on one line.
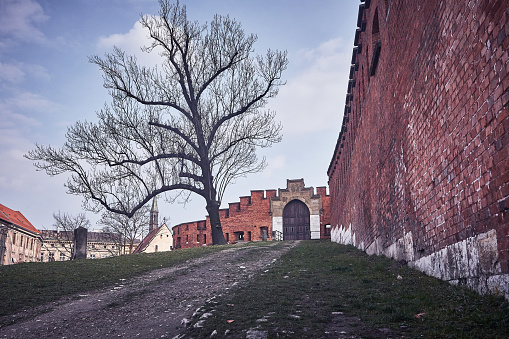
[(130, 229), (191, 125)]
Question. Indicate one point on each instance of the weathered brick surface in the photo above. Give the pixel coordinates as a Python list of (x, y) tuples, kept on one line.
[(422, 160), (250, 215)]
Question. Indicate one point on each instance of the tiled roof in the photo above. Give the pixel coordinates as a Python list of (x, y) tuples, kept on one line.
[(16, 218)]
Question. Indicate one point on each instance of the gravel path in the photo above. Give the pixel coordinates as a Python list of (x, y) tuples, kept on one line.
[(150, 306)]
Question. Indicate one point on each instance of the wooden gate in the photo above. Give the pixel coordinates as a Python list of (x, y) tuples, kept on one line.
[(296, 221)]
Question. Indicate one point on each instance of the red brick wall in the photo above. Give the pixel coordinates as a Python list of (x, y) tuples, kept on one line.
[(250, 215), (325, 215), (423, 149)]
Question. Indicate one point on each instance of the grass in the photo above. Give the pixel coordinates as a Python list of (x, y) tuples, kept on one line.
[(31, 284), (297, 296)]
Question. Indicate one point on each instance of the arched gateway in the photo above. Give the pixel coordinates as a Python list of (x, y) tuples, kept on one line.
[(296, 211), (296, 221)]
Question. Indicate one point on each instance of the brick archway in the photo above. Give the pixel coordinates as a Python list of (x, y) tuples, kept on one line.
[(296, 221)]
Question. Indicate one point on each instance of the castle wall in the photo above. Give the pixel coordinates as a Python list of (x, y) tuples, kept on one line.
[(420, 171), (246, 219)]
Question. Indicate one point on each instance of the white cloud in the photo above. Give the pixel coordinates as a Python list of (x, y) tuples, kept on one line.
[(131, 43), (15, 73), (312, 100), (13, 173), (31, 101), (34, 193), (11, 73), (19, 17), (36, 71), (20, 111), (274, 164)]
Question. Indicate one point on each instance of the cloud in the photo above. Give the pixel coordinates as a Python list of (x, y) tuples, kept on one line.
[(19, 111), (311, 100), (31, 101), (274, 164), (19, 19), (131, 43), (34, 193), (11, 73), (15, 73), (14, 174)]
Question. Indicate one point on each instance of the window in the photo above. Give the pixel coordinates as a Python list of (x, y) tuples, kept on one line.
[(51, 256), (42, 257), (187, 238), (227, 237), (62, 257), (204, 238), (156, 248), (197, 238), (14, 238), (327, 230), (92, 256), (201, 225)]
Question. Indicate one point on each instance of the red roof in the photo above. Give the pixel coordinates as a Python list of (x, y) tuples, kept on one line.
[(16, 218)]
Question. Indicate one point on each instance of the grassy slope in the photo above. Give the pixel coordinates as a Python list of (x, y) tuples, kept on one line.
[(311, 281), (318, 278), (31, 284)]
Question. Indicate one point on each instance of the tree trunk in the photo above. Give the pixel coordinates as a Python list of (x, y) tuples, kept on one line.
[(215, 223)]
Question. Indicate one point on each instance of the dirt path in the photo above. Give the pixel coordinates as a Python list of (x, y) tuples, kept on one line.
[(150, 306)]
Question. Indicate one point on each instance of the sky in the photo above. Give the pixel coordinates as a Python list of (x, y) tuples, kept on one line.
[(47, 84)]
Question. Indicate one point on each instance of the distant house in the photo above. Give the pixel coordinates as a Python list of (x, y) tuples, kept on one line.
[(158, 239), (58, 245), (20, 241)]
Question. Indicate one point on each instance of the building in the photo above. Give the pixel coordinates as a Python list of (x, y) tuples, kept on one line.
[(20, 241), (420, 171), (58, 245), (159, 238), (292, 213)]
